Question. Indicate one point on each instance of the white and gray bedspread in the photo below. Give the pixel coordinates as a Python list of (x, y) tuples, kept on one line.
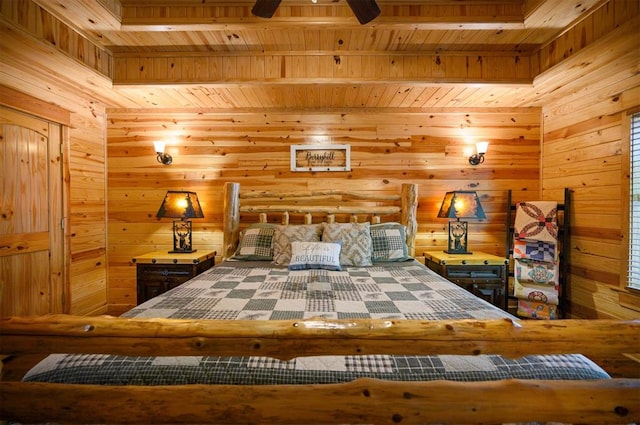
[(261, 291)]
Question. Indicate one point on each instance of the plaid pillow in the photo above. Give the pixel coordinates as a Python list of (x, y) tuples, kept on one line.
[(356, 242), (389, 241), (256, 243)]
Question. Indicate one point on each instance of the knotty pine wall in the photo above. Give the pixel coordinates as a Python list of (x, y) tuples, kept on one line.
[(584, 138), (73, 88), (387, 149), (84, 152)]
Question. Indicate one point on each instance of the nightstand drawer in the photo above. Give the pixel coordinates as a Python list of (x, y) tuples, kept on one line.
[(165, 273), (475, 273)]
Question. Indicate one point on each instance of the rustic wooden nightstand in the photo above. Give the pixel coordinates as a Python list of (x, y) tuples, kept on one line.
[(482, 274), (159, 271)]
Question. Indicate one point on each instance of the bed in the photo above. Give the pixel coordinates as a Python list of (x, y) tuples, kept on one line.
[(302, 324)]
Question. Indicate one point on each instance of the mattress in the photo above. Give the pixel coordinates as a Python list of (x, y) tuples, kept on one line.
[(261, 291)]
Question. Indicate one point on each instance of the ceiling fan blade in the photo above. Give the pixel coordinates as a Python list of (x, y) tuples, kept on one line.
[(265, 8), (365, 10)]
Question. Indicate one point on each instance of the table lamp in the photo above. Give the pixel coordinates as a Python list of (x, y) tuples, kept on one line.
[(460, 204), (183, 205)]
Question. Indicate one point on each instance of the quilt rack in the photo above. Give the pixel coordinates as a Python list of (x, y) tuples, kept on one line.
[(563, 217)]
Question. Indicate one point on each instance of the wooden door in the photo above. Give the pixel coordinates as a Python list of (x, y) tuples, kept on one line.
[(32, 272)]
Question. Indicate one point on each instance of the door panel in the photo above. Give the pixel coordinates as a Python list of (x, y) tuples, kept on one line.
[(32, 275)]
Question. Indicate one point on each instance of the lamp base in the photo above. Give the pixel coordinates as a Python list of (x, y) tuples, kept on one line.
[(457, 243), (456, 252), (181, 252), (182, 237)]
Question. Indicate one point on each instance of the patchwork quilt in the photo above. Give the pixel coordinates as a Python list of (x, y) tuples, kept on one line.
[(537, 220), (261, 291)]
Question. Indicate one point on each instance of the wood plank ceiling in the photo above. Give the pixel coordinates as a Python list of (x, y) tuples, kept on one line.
[(416, 54)]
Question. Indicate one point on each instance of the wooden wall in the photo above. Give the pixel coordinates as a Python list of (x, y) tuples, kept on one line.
[(583, 145), (69, 87), (585, 133), (582, 129), (387, 149)]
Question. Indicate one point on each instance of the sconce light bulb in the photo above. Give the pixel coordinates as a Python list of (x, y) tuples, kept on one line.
[(163, 158), (481, 149), (159, 147)]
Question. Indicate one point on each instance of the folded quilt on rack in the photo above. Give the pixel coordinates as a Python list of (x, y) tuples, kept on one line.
[(537, 220), (538, 272), (537, 310), (535, 250), (546, 294)]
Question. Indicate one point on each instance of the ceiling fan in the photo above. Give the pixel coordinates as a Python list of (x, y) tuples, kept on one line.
[(365, 10)]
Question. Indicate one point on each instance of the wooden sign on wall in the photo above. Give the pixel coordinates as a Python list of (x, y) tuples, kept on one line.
[(320, 158)]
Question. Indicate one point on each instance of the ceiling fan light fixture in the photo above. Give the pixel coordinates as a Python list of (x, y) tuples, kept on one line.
[(265, 8), (365, 10)]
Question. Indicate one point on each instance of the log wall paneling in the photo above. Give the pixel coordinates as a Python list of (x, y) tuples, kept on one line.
[(85, 220), (252, 148), (582, 150), (82, 153), (291, 68), (28, 16), (33, 41), (82, 93), (594, 28), (402, 130)]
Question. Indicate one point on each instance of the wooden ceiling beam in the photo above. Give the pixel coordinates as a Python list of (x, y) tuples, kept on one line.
[(276, 69), (479, 15), (100, 15), (555, 13)]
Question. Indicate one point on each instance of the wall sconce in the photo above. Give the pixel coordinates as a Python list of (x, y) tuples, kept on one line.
[(460, 204), (182, 205), (163, 158), (478, 157)]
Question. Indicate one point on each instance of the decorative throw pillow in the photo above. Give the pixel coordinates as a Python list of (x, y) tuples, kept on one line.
[(356, 242), (315, 255), (256, 243), (283, 236), (389, 242)]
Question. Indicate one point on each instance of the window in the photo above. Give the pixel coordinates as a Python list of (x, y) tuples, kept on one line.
[(634, 205)]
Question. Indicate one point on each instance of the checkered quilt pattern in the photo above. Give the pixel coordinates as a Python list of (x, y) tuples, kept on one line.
[(260, 291)]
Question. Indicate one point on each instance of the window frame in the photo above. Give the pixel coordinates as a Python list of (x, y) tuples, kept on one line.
[(626, 183)]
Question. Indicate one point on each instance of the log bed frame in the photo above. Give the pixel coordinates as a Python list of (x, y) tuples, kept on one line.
[(369, 401)]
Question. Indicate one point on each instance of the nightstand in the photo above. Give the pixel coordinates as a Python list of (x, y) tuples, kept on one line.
[(482, 274), (159, 271)]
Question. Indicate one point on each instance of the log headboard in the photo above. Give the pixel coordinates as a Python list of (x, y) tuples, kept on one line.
[(324, 205)]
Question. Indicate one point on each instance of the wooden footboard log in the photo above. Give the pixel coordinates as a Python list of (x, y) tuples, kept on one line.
[(286, 339), (364, 401), (361, 401)]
